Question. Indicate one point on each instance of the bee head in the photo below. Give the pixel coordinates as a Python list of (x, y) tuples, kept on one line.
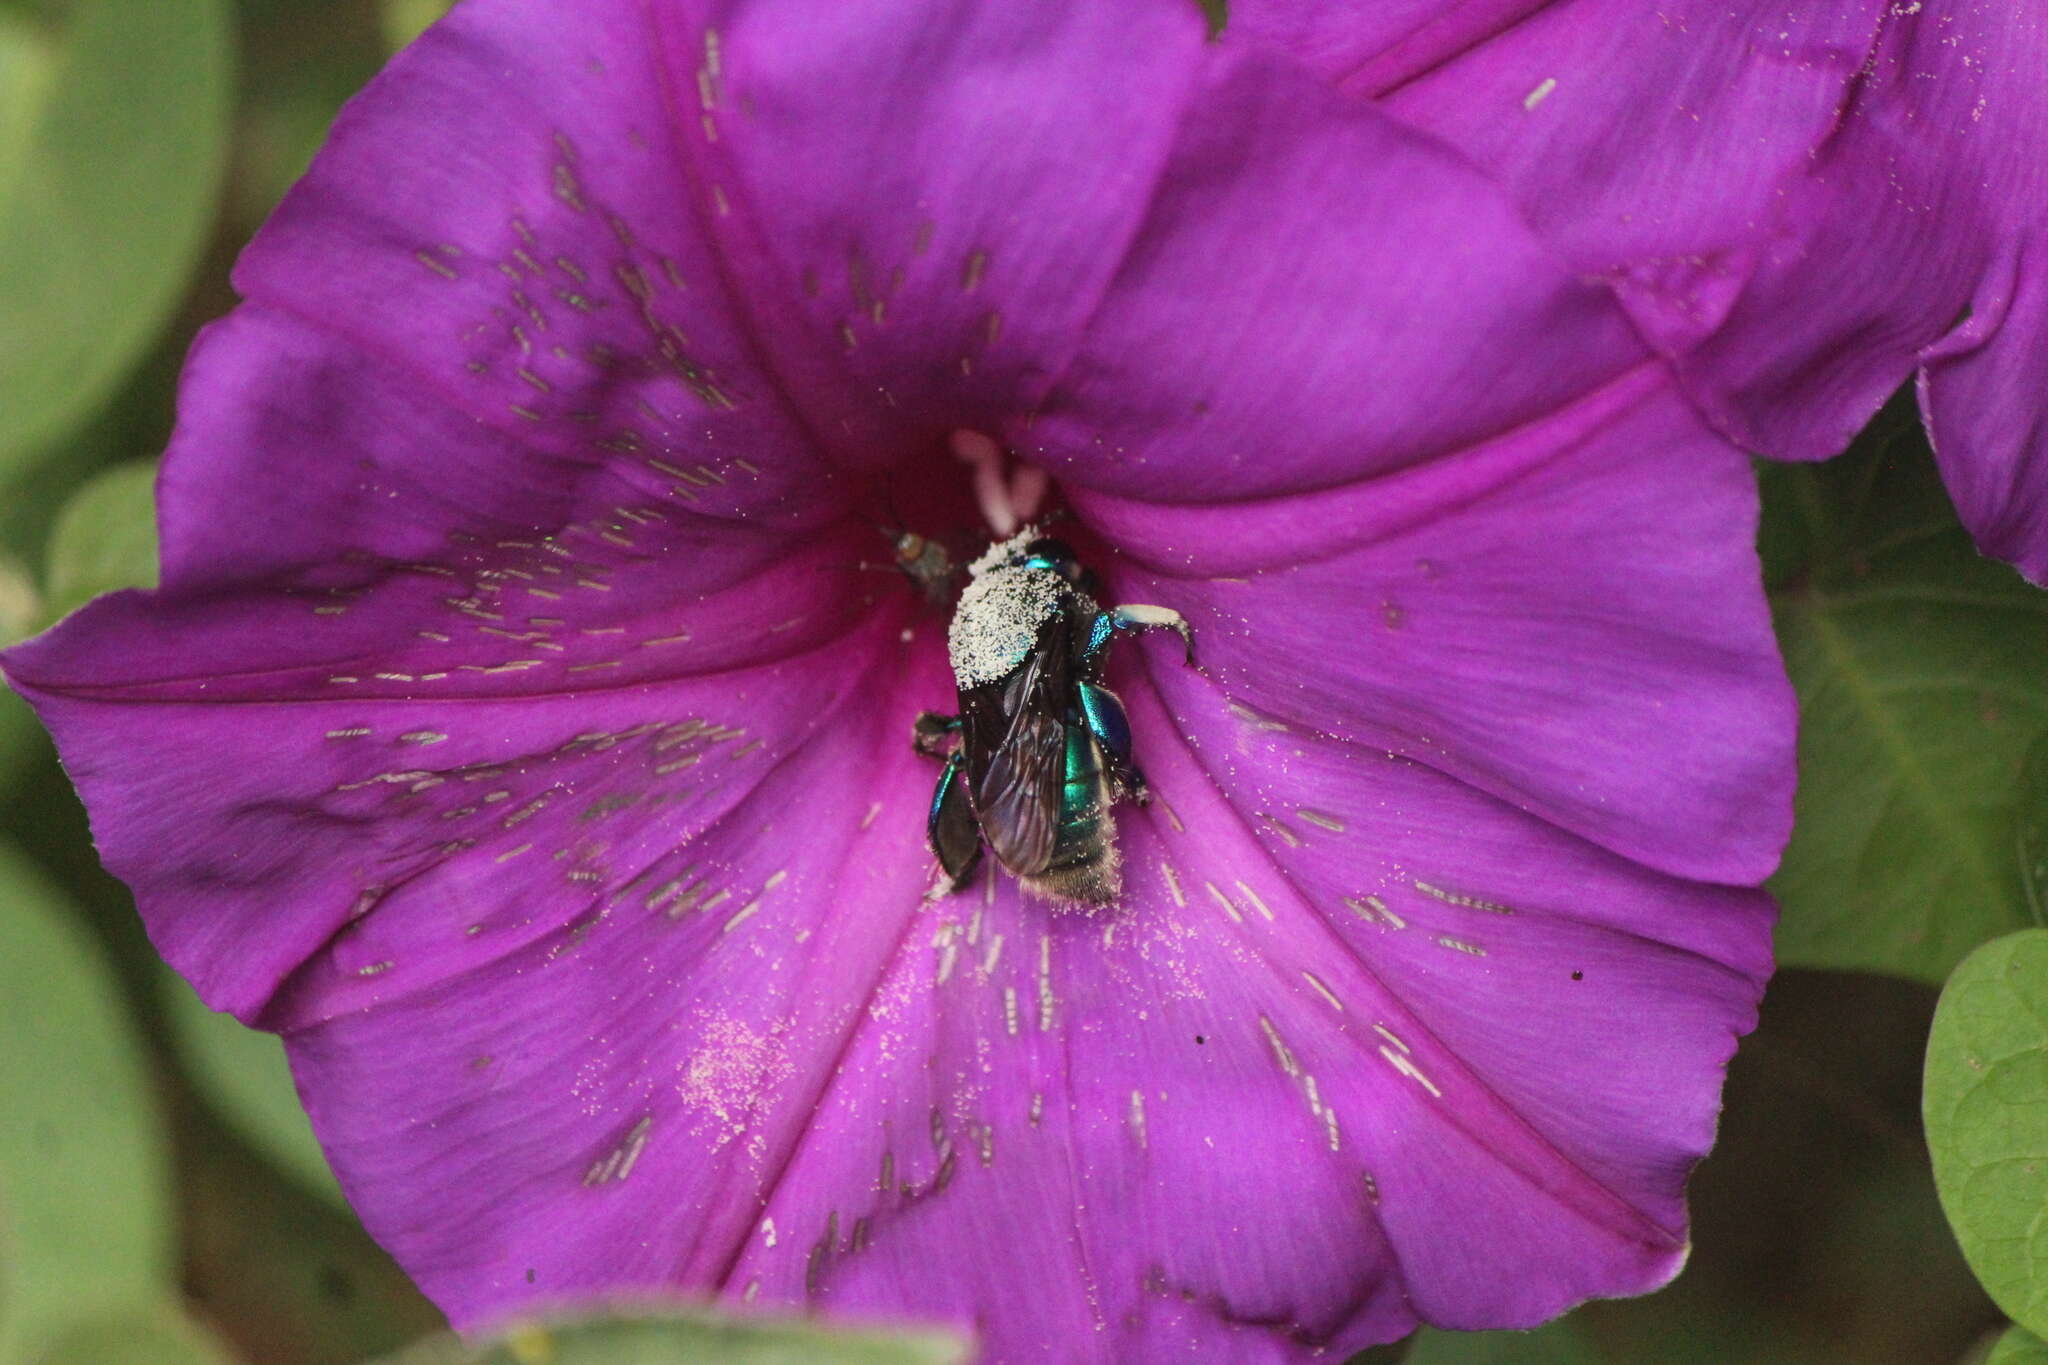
[(909, 547), (1056, 555)]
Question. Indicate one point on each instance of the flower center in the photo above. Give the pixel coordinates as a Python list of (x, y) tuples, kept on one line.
[(1007, 496), (947, 503)]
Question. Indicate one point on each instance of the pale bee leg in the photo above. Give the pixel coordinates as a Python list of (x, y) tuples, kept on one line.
[(1138, 616)]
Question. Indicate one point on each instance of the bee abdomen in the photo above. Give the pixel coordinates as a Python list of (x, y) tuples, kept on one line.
[(1085, 867)]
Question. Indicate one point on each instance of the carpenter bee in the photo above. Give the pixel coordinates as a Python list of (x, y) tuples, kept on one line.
[(1040, 751)]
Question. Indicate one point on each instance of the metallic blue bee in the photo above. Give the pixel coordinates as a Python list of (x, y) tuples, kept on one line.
[(1044, 749)]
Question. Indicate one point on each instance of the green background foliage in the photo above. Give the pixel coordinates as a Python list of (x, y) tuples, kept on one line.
[(626, 1336), (2018, 1347), (162, 1200), (1920, 667), (1986, 1103), (113, 138)]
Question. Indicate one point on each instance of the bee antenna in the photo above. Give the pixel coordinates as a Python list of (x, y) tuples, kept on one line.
[(889, 500)]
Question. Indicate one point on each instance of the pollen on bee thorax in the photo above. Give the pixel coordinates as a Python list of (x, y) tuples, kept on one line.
[(1000, 611)]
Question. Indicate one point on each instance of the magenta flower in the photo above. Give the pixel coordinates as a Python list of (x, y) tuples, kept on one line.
[(1803, 206), (516, 733)]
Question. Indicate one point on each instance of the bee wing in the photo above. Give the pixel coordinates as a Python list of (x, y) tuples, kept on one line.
[(1016, 756), (1019, 798)]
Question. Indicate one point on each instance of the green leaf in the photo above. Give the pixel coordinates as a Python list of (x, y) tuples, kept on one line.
[(21, 739), (1985, 1103), (104, 539), (404, 20), (113, 138), (84, 1216), (21, 606), (2018, 1347), (1559, 1343), (244, 1073), (1922, 671), (649, 1337), (159, 1334)]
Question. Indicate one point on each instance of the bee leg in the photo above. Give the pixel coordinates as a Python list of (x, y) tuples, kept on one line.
[(928, 734), (954, 833), (1134, 616), (1137, 616), (1103, 713)]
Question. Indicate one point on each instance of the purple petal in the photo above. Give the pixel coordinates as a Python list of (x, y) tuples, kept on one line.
[(1717, 105), (788, 1097), (302, 462), (1732, 123), (1397, 306), (1981, 391), (1892, 234), (414, 840), (374, 681), (934, 196), (529, 267), (1569, 618), (1807, 203), (631, 1081), (1377, 47), (697, 203), (1433, 914)]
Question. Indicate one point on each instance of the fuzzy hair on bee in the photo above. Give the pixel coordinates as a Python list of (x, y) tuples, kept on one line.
[(1039, 752)]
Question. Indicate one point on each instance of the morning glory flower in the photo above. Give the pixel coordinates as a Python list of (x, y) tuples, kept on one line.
[(522, 731), (1803, 206)]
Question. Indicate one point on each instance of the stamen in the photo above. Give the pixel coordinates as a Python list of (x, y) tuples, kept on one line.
[(1006, 503), (1027, 491), (991, 490)]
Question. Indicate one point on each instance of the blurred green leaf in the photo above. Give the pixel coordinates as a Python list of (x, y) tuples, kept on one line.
[(648, 1337), (104, 539), (289, 1277), (304, 59), (84, 1218), (1559, 1343), (113, 138), (159, 1334), (1920, 667), (404, 20), (1985, 1105), (21, 743), (244, 1073), (2018, 1347), (21, 606)]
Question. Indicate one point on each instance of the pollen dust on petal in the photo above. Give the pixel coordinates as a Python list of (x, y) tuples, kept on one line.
[(729, 1081)]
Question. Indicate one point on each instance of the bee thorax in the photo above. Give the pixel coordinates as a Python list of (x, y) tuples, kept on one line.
[(998, 620)]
